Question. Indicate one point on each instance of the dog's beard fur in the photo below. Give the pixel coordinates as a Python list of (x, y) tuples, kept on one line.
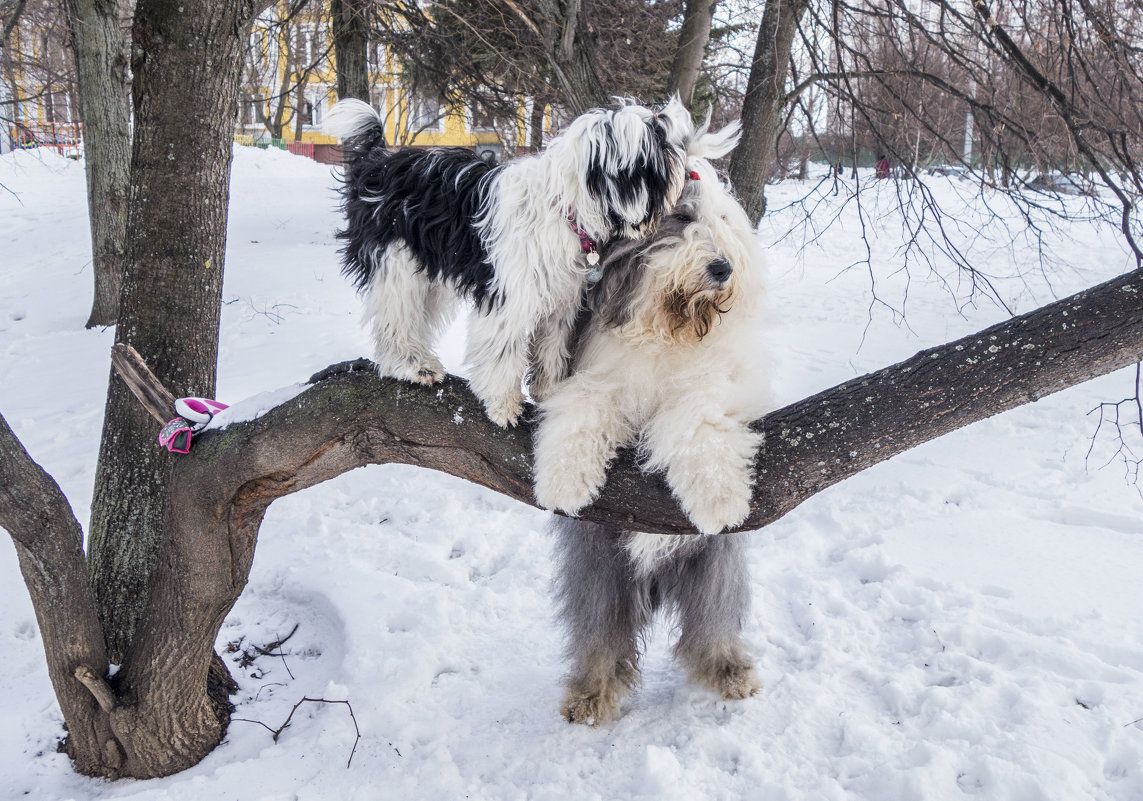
[(691, 314)]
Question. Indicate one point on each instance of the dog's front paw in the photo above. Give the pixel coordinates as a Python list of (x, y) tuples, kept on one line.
[(419, 370), (722, 508), (565, 485), (505, 411)]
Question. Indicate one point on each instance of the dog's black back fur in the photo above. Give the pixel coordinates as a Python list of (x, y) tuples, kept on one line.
[(427, 199)]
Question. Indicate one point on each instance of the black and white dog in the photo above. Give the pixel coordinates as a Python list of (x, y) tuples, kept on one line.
[(426, 226)]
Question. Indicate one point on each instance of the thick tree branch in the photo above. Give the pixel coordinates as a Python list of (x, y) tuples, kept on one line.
[(49, 544), (349, 418)]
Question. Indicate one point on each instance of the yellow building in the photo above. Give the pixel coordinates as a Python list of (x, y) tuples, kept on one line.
[(38, 104), (290, 84)]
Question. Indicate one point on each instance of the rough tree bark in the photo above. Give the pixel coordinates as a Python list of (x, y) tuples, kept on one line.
[(100, 48), (171, 300), (49, 543), (693, 38), (763, 104), (350, 47), (158, 716)]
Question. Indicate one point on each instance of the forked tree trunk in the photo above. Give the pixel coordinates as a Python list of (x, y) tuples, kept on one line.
[(172, 293), (763, 104), (100, 48), (49, 543)]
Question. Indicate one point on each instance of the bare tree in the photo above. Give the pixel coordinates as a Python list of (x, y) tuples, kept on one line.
[(351, 45), (172, 292), (693, 38), (764, 104), (287, 47)]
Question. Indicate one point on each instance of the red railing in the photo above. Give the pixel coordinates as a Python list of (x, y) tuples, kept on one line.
[(65, 137), (301, 149)]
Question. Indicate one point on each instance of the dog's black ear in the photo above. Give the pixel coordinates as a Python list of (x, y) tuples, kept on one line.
[(609, 300)]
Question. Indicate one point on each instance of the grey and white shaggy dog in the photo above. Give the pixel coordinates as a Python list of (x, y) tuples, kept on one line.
[(664, 361), (607, 602)]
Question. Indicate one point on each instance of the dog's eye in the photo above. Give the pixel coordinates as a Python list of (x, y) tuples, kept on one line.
[(682, 217)]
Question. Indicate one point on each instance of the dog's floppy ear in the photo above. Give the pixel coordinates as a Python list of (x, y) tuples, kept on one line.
[(708, 144)]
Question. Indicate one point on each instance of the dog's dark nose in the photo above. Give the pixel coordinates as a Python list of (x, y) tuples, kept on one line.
[(719, 270)]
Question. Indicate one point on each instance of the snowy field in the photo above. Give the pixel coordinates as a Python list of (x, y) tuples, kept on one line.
[(961, 621)]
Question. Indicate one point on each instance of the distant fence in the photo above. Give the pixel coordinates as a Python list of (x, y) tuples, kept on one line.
[(66, 138), (307, 149)]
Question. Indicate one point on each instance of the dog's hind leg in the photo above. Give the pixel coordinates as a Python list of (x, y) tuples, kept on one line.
[(406, 312), (552, 347), (711, 592), (603, 611)]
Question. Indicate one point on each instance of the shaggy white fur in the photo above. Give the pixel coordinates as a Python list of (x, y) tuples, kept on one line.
[(667, 362)]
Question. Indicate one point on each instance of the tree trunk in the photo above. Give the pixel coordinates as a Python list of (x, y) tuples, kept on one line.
[(693, 38), (100, 50), (350, 48), (763, 104), (171, 298)]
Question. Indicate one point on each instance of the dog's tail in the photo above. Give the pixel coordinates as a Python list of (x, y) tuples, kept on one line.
[(707, 144), (356, 125)]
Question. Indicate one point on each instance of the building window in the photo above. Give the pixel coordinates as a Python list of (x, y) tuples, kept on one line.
[(378, 95), (310, 44), (248, 110), (57, 107), (425, 114), (481, 120), (312, 110)]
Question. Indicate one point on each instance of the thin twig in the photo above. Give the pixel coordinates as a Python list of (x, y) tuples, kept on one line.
[(278, 731), (268, 650)]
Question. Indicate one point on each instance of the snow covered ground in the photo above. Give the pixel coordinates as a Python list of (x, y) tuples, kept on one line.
[(960, 621)]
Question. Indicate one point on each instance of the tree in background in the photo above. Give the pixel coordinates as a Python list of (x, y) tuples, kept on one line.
[(99, 44), (69, 60), (287, 47), (351, 46)]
